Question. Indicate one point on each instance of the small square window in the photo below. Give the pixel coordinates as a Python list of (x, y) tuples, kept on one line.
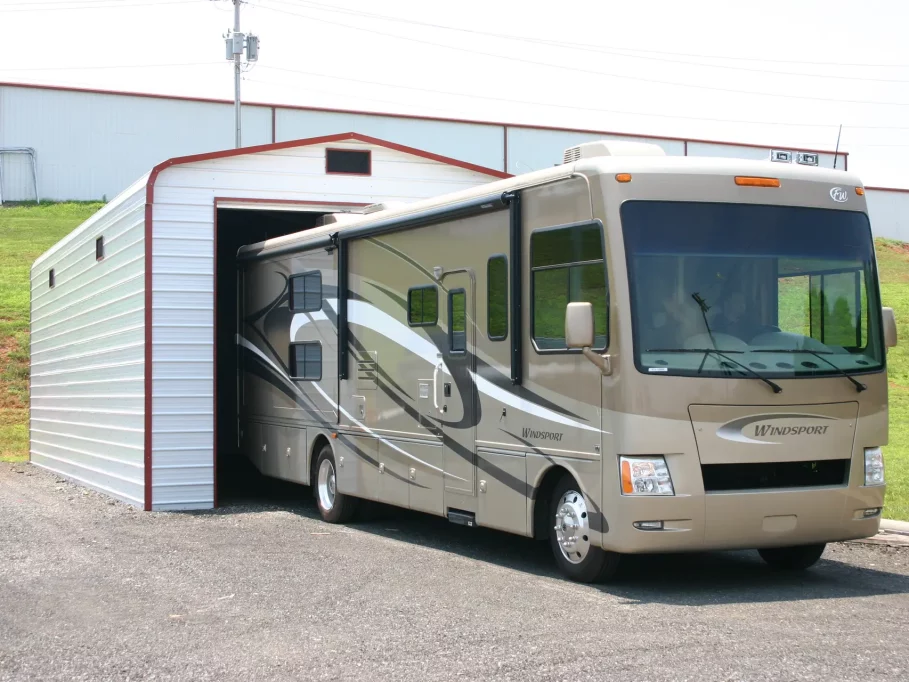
[(306, 292), (306, 361), (348, 161), (422, 306), (99, 248), (51, 280)]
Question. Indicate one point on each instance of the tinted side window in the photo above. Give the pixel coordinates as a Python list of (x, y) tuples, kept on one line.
[(422, 306), (497, 298), (567, 266), (457, 321), (306, 292), (306, 361)]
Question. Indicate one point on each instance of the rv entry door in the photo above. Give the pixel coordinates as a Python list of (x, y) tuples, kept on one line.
[(456, 389)]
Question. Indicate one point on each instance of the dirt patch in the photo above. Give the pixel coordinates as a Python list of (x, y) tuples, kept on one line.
[(10, 397)]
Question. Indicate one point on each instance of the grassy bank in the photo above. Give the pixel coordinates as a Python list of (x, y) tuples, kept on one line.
[(25, 233)]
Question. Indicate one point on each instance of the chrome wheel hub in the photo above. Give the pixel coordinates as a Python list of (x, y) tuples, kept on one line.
[(572, 527), (326, 485)]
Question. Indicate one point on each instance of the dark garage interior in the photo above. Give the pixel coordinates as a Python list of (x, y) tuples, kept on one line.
[(235, 228)]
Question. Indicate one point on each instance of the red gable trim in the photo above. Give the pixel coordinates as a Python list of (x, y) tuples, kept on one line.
[(341, 137), (526, 126)]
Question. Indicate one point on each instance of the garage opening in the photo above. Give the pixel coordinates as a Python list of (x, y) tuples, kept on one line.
[(236, 227)]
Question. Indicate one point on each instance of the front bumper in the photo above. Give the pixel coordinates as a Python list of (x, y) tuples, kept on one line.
[(743, 520)]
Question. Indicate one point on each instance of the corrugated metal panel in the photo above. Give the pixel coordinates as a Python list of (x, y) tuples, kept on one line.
[(889, 212), (478, 143), (87, 352), (182, 282), (93, 145), (530, 149)]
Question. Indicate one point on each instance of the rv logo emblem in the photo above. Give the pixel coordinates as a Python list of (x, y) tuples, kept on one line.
[(839, 195)]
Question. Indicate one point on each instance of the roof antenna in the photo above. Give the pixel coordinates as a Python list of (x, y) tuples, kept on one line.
[(837, 152)]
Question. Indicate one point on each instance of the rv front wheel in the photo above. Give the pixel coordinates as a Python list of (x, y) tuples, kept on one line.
[(792, 558), (570, 534), (334, 507)]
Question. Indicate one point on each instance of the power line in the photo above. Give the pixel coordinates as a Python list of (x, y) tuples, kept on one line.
[(573, 107), (605, 49), (109, 66), (51, 5), (581, 70)]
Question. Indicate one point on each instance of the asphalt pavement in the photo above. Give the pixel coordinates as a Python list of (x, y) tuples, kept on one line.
[(262, 589)]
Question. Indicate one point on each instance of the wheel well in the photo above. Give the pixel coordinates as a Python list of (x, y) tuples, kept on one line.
[(541, 497), (318, 443)]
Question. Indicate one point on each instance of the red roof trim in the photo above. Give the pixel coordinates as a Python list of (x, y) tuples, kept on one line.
[(308, 142), (443, 119)]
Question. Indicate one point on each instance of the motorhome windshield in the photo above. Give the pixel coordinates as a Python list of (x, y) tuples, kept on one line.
[(784, 291)]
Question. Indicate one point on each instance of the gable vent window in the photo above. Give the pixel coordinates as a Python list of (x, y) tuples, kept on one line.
[(348, 162), (51, 281), (99, 248)]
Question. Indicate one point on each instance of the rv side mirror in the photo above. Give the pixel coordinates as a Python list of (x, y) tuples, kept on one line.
[(889, 327), (579, 325)]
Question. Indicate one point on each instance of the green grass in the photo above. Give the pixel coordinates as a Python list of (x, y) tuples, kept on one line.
[(893, 266), (25, 233)]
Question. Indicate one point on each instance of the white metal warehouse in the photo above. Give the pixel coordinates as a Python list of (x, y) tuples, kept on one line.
[(129, 310)]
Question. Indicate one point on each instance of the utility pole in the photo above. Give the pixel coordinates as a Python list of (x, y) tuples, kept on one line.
[(237, 55), (235, 42)]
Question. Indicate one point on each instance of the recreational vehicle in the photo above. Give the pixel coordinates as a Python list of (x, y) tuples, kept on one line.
[(625, 353)]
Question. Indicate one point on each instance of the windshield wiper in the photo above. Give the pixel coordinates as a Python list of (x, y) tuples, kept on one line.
[(722, 353), (859, 386)]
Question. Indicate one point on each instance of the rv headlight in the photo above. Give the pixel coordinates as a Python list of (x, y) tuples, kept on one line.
[(874, 466), (645, 476)]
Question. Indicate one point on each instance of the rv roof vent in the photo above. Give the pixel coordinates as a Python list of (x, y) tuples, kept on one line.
[(384, 206), (589, 150)]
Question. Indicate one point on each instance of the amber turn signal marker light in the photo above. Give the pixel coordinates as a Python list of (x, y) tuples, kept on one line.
[(334, 435), (860, 191), (756, 182), (627, 487), (623, 177)]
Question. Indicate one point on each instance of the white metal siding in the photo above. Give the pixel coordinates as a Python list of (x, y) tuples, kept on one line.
[(87, 353), (183, 274), (889, 213), (477, 143), (533, 149), (93, 145)]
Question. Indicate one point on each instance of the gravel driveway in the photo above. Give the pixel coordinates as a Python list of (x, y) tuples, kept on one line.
[(261, 589)]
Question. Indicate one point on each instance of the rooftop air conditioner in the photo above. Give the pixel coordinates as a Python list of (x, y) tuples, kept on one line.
[(590, 150)]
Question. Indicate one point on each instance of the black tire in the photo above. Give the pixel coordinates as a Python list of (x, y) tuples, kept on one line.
[(597, 565), (792, 558), (337, 507)]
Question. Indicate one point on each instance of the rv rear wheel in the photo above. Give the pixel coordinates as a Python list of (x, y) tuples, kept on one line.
[(569, 536), (792, 558), (334, 507)]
